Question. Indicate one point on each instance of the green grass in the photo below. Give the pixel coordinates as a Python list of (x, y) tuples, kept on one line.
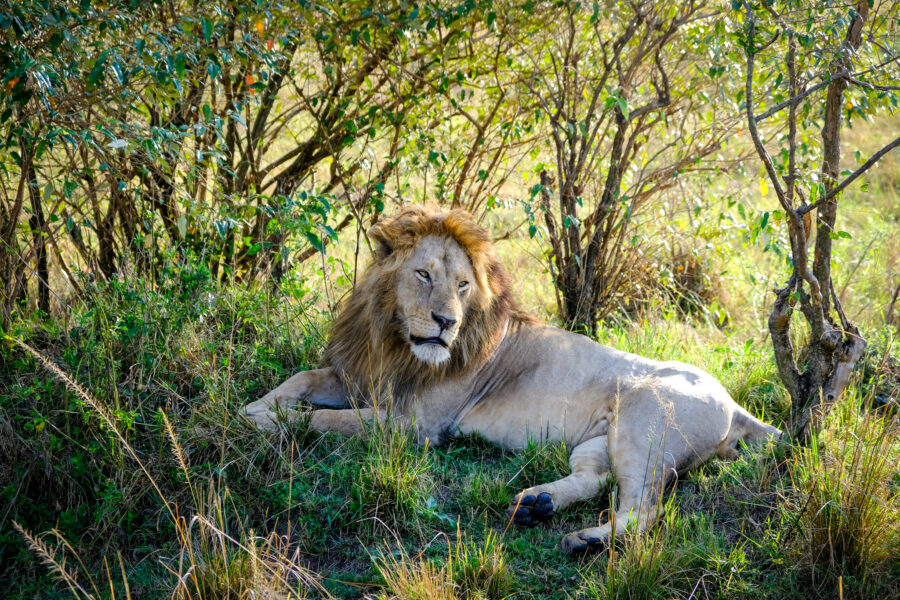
[(394, 482), (847, 521), (300, 514)]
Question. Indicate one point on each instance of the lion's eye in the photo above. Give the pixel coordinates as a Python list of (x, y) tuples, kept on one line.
[(424, 275), (463, 285)]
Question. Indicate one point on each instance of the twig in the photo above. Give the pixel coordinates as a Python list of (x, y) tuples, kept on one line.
[(865, 167), (795, 100), (872, 86)]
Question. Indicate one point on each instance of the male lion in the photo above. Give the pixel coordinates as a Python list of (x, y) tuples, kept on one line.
[(433, 321)]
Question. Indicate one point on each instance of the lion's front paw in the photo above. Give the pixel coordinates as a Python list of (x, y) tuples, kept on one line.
[(586, 539), (529, 510)]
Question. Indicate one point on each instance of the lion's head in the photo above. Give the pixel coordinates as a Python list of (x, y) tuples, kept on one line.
[(434, 302)]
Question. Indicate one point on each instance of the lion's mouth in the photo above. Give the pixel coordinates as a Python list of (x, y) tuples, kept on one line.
[(418, 341)]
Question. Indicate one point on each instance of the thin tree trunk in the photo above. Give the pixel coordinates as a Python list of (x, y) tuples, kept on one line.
[(38, 227)]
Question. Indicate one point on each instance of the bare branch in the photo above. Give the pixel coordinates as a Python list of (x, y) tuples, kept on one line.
[(862, 169), (751, 121)]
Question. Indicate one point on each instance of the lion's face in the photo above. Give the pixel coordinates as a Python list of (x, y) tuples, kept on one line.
[(432, 304), (434, 287)]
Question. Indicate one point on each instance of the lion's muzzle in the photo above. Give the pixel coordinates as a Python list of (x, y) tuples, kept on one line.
[(418, 341)]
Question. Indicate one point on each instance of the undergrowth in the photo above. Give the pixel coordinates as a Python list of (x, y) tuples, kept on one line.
[(128, 474)]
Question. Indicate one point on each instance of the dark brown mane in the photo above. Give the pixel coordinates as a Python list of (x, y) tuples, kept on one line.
[(366, 345)]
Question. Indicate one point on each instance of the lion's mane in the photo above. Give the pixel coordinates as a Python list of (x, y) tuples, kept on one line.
[(367, 346)]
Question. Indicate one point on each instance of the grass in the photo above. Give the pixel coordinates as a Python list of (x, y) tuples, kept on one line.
[(470, 570), (235, 511), (394, 482), (127, 474), (850, 502), (684, 554), (210, 562)]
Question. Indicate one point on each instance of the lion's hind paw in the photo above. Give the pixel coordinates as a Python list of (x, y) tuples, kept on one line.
[(529, 510), (579, 541)]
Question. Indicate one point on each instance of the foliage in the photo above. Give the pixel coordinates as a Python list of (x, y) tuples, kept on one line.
[(629, 115), (804, 38), (230, 133)]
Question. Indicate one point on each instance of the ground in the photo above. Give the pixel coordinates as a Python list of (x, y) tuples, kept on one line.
[(329, 507)]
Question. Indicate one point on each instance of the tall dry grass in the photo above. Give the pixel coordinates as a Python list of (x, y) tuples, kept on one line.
[(848, 522), (211, 564)]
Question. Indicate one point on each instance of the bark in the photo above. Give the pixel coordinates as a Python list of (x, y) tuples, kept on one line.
[(38, 228), (833, 348), (10, 265)]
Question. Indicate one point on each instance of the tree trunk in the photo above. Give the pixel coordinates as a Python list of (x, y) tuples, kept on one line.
[(833, 349), (38, 233)]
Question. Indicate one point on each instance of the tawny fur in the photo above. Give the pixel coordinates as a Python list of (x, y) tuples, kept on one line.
[(384, 364), (503, 375)]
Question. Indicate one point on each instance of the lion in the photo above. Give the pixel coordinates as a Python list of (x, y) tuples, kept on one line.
[(433, 321)]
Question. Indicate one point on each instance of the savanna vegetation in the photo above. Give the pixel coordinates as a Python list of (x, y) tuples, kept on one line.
[(185, 191)]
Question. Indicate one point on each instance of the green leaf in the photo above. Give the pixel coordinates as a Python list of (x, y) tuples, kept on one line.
[(179, 64), (96, 73), (315, 241)]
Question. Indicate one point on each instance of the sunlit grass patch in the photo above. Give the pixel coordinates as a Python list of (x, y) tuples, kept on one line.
[(481, 569), (471, 571), (673, 559), (487, 492), (540, 463)]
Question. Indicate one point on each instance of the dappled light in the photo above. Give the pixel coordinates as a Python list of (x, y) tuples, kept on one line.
[(450, 300)]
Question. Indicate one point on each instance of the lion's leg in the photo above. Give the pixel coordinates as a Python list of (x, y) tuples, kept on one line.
[(346, 422), (642, 466), (590, 468), (320, 387), (637, 507)]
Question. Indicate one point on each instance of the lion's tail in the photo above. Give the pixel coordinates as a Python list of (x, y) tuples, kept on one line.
[(755, 429), (747, 428)]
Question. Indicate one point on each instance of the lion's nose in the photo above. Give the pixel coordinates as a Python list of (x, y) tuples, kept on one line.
[(442, 321)]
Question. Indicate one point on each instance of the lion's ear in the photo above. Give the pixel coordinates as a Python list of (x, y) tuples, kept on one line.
[(383, 247), (399, 231)]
